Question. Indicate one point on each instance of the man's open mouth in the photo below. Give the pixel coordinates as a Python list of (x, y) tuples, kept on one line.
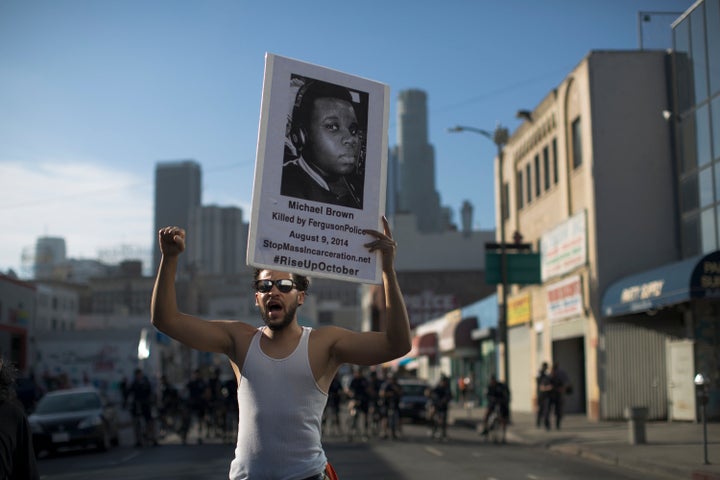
[(274, 307)]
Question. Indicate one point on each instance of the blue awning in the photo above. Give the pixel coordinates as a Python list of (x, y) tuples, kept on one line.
[(697, 277)]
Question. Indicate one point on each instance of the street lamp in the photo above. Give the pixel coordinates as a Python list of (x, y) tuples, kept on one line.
[(499, 137), (701, 383)]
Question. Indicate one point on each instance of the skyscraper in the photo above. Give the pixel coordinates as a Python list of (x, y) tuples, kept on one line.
[(220, 239), (178, 190), (416, 164)]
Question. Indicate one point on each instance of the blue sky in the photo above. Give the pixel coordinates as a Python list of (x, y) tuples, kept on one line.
[(94, 92)]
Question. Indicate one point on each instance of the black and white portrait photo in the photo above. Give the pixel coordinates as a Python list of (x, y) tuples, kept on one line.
[(324, 158)]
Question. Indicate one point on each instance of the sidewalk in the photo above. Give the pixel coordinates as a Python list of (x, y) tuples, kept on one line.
[(673, 450)]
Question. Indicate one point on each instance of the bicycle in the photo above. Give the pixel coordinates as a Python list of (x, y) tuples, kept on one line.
[(438, 422), (496, 426), (393, 419), (143, 425), (352, 427)]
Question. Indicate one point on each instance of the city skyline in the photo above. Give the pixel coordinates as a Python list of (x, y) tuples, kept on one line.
[(94, 96)]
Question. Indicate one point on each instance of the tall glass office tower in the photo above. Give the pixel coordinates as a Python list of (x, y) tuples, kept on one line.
[(416, 164), (696, 39), (178, 190)]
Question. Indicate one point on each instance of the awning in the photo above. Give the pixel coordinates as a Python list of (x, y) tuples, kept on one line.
[(456, 337), (427, 345), (697, 277), (484, 333), (463, 333)]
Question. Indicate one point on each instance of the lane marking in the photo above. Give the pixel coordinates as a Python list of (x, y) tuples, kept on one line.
[(127, 458), (434, 451)]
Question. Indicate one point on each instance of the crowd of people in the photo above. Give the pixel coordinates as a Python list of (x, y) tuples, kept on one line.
[(371, 406), (367, 404), (206, 405)]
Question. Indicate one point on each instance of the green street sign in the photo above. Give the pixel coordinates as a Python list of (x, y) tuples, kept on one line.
[(522, 268)]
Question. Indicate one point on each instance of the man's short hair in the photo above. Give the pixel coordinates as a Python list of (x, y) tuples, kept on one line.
[(312, 90)]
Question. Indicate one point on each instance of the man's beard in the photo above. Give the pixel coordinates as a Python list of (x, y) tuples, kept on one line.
[(286, 319)]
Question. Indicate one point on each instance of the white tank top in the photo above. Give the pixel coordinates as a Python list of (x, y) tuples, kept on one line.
[(280, 412)]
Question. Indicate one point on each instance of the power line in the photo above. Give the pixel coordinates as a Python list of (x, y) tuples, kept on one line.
[(106, 190)]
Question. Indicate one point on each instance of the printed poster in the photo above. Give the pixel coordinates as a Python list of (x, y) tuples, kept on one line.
[(320, 172)]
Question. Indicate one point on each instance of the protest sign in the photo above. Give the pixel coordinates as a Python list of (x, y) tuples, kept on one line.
[(320, 172)]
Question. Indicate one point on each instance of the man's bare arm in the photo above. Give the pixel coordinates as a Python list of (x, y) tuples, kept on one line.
[(370, 348), (208, 336)]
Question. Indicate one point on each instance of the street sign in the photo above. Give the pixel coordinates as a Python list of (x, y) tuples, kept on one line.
[(522, 268)]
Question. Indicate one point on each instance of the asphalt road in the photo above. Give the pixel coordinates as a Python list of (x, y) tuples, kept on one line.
[(413, 457)]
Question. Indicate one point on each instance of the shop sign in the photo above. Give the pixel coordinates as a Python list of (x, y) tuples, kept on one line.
[(564, 299), (645, 291), (428, 305), (519, 309), (564, 248)]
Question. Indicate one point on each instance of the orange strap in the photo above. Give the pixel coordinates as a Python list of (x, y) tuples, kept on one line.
[(330, 472)]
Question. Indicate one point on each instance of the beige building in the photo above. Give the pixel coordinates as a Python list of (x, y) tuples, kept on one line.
[(590, 184)]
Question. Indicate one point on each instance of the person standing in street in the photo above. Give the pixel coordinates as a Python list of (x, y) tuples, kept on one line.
[(543, 387), (197, 398), (142, 397), (283, 369), (559, 383), (17, 455), (498, 397), (440, 397), (358, 393), (331, 417), (390, 393)]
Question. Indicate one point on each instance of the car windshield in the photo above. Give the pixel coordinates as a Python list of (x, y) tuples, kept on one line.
[(72, 402), (413, 390)]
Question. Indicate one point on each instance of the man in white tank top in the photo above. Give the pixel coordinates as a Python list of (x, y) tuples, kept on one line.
[(283, 370)]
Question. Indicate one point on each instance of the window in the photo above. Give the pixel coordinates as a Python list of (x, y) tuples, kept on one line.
[(528, 179), (690, 236), (697, 53), (576, 136), (519, 190), (325, 318), (689, 156), (705, 181), (689, 194), (707, 230), (715, 114), (712, 14), (702, 135), (537, 176), (546, 167), (681, 44), (555, 161)]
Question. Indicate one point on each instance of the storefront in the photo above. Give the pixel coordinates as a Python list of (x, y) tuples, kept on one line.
[(666, 323)]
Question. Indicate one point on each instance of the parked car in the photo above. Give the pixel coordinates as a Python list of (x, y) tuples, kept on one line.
[(413, 401), (76, 417)]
